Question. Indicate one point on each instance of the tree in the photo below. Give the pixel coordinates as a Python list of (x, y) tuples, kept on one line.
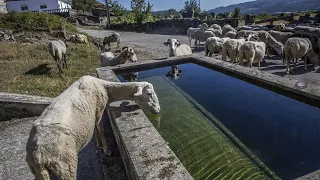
[(204, 15), (236, 13), (191, 8), (84, 5), (171, 12), (118, 9), (141, 10)]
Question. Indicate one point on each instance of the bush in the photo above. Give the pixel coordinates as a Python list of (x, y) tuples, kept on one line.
[(30, 21)]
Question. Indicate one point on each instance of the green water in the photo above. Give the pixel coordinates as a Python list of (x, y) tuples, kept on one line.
[(203, 148)]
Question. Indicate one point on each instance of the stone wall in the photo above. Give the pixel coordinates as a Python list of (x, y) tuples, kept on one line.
[(175, 26)]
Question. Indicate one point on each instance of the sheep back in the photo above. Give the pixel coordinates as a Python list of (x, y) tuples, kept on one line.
[(67, 124), (106, 59), (183, 50)]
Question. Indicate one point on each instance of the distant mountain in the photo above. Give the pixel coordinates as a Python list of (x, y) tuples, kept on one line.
[(271, 6)]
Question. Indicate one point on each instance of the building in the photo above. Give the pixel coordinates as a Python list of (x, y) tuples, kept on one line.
[(37, 5), (3, 8)]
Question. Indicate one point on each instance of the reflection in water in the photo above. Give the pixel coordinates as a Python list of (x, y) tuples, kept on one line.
[(155, 120), (131, 76), (175, 72)]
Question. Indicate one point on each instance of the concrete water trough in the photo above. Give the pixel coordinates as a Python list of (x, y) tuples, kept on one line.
[(289, 89), (137, 146)]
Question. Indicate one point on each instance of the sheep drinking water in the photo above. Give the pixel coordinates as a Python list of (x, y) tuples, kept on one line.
[(68, 123)]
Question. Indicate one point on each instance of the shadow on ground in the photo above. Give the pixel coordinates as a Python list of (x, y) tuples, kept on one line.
[(42, 69)]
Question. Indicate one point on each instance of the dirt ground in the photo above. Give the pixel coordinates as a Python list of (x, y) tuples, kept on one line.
[(150, 46)]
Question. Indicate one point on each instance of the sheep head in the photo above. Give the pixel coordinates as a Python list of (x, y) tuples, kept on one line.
[(252, 37), (279, 48), (173, 44), (313, 57), (145, 97), (130, 53)]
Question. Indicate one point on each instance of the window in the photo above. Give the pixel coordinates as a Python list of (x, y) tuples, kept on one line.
[(43, 6), (24, 7)]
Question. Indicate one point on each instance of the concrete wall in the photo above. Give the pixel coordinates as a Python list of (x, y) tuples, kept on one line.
[(34, 5), (21, 106), (144, 152)]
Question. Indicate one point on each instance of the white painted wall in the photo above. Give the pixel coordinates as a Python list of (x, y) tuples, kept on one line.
[(63, 5), (34, 5)]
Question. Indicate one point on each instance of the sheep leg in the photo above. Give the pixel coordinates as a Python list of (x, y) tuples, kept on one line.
[(65, 61), (66, 171), (224, 54), (101, 142), (40, 172), (43, 174), (295, 63), (59, 66), (288, 66), (305, 64), (206, 51)]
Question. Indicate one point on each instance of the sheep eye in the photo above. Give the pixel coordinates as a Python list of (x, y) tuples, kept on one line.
[(149, 93)]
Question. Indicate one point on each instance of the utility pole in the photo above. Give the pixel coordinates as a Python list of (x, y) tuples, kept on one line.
[(108, 13), (199, 4)]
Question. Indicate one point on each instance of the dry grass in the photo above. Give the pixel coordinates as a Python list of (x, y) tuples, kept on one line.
[(29, 68)]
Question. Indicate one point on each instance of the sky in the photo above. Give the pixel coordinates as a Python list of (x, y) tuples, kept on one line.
[(159, 5)]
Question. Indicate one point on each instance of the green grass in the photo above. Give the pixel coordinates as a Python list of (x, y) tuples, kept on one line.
[(207, 150), (30, 21), (29, 68)]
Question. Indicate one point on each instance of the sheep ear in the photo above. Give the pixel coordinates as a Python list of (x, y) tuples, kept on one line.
[(165, 43), (178, 42), (139, 91), (126, 47)]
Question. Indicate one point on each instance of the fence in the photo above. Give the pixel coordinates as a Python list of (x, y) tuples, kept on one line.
[(65, 12)]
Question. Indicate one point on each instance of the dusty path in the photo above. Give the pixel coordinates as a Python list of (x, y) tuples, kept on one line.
[(151, 46)]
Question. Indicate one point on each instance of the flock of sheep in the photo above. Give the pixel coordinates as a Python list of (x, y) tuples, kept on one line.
[(251, 46), (68, 124)]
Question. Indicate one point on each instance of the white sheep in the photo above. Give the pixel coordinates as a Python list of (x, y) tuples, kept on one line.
[(67, 125), (231, 48), (296, 48), (112, 38), (216, 32), (177, 49), (265, 37), (108, 59), (79, 38), (216, 26), (231, 35), (58, 50), (307, 29), (214, 45), (253, 52), (227, 28), (280, 36), (202, 35), (190, 33)]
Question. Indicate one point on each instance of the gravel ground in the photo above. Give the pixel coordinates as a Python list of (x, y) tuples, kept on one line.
[(13, 138), (151, 46)]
